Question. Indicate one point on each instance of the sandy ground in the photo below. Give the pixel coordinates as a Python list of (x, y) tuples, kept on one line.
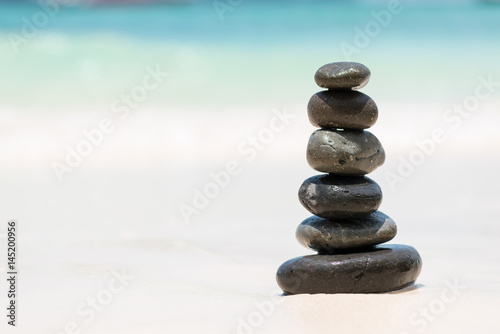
[(117, 215)]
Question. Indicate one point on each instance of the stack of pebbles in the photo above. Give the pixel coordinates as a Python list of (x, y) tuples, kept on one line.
[(346, 227)]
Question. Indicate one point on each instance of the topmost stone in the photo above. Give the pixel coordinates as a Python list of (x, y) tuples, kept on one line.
[(342, 75)]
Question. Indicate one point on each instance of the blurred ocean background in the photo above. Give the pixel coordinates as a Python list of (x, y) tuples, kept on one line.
[(261, 52), (120, 207)]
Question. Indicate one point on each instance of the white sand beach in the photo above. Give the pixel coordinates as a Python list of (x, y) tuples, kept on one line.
[(119, 211)]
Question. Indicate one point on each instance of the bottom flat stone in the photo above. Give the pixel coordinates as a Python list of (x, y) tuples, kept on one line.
[(381, 269)]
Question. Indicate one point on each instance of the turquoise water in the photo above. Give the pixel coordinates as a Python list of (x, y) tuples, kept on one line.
[(262, 51)]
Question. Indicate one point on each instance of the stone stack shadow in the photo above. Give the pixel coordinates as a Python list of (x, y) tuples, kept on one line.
[(346, 229)]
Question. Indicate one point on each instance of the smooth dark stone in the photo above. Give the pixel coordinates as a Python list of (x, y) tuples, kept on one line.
[(334, 236), (342, 75), (344, 152), (333, 196), (382, 269), (342, 110)]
